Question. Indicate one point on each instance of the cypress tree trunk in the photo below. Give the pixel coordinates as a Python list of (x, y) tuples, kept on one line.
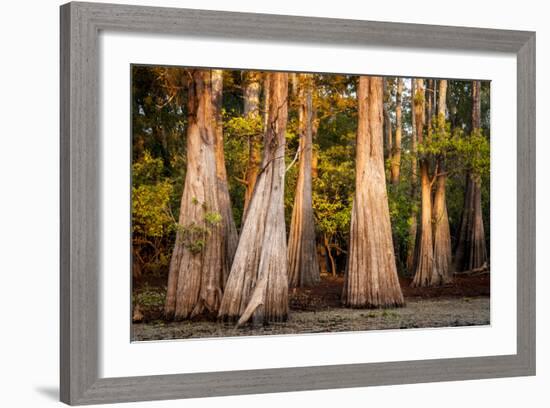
[(229, 230), (388, 136), (471, 251), (442, 232), (252, 112), (303, 268), (426, 273), (195, 278), (413, 220), (396, 154), (257, 287), (371, 275)]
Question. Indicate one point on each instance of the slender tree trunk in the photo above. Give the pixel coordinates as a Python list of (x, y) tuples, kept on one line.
[(471, 251), (388, 136), (252, 113), (195, 278), (371, 275), (229, 230), (429, 107), (326, 241), (257, 287), (303, 268), (426, 273), (396, 154), (413, 220), (442, 231)]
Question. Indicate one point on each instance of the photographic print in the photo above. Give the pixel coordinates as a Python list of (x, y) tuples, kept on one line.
[(285, 203)]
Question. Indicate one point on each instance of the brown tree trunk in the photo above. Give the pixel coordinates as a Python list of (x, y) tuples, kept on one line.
[(430, 92), (303, 268), (426, 273), (252, 113), (388, 136), (413, 220), (371, 275), (396, 154), (471, 251), (229, 230), (195, 278), (442, 231), (257, 287)]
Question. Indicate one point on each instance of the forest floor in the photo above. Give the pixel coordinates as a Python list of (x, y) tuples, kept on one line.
[(465, 302)]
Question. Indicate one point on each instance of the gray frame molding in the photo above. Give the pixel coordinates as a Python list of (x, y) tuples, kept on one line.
[(80, 232)]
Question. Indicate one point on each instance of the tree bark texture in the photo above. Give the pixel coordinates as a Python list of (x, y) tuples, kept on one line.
[(413, 221), (257, 288), (252, 112), (229, 230), (371, 275), (442, 231), (396, 154), (195, 277), (303, 267), (471, 251)]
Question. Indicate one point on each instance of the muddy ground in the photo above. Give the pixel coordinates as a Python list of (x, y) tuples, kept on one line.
[(417, 313), (317, 310)]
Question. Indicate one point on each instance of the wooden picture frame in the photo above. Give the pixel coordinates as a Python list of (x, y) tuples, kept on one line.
[(80, 191)]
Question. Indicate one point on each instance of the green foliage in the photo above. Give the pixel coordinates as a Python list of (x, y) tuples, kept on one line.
[(474, 151), (333, 194), (243, 127), (401, 207), (468, 152), (152, 222), (213, 218)]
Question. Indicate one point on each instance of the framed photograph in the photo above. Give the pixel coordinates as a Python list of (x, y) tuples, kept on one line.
[(261, 203)]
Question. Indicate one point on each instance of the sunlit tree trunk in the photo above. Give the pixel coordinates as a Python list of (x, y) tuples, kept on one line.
[(396, 154), (442, 232), (257, 288), (471, 251), (413, 220), (195, 278), (371, 275), (252, 113), (303, 268), (229, 230), (426, 273)]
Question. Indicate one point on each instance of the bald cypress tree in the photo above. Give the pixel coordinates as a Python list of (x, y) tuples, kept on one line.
[(441, 228), (195, 278), (257, 288), (371, 275), (471, 251), (303, 268)]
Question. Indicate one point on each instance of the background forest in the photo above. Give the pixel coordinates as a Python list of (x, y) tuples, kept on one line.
[(435, 150)]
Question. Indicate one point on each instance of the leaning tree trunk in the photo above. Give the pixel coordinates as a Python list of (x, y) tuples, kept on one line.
[(229, 230), (471, 251), (303, 267), (257, 287), (252, 113), (195, 278), (426, 273), (413, 220), (396, 154), (371, 275), (442, 231)]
